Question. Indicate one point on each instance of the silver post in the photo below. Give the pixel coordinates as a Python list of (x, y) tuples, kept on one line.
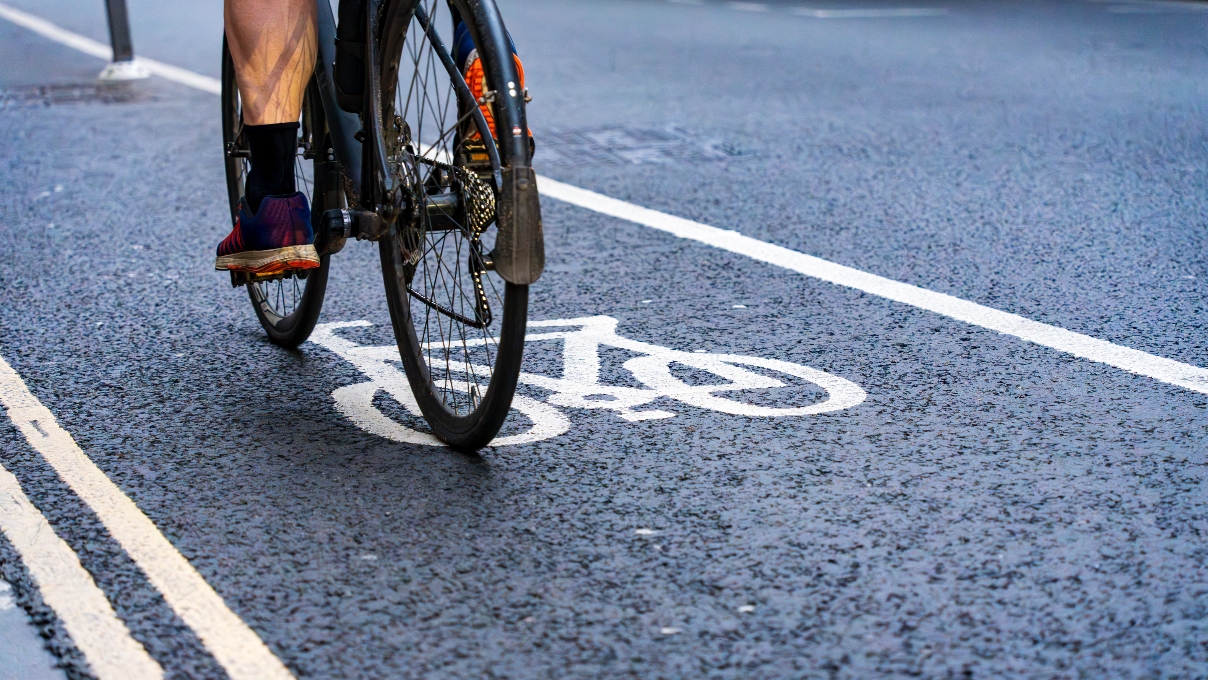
[(123, 66)]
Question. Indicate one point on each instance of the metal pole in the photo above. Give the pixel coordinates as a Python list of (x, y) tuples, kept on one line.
[(123, 66), (119, 30)]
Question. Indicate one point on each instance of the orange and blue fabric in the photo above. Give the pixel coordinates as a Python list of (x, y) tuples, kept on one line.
[(465, 54)]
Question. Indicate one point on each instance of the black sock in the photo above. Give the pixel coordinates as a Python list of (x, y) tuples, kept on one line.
[(273, 150)]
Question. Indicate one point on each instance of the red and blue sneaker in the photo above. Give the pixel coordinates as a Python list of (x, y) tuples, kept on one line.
[(277, 238)]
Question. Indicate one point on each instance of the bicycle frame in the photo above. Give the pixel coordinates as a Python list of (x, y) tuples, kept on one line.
[(342, 125)]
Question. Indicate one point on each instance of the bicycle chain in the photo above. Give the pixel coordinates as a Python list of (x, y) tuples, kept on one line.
[(478, 199), (480, 212)]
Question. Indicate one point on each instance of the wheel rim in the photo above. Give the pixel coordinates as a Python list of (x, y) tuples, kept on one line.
[(455, 307)]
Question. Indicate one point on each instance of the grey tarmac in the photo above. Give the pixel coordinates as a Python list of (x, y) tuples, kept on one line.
[(992, 508)]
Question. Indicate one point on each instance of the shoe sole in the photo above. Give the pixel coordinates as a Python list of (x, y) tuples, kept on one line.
[(269, 261)]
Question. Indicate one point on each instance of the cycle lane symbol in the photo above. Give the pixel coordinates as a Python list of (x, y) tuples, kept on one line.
[(580, 386)]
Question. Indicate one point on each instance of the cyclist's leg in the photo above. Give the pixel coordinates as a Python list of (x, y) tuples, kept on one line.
[(273, 45)]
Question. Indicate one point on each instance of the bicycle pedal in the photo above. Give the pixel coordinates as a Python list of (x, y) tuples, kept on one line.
[(472, 154), (242, 278)]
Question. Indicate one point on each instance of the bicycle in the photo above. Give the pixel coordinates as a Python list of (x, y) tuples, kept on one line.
[(401, 174)]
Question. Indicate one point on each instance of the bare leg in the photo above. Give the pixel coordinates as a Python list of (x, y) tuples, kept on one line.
[(274, 45)]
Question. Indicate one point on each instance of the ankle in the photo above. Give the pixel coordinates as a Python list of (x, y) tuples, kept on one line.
[(274, 148)]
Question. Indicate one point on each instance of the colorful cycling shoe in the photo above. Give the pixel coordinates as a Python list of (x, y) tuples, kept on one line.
[(465, 54), (277, 238), (476, 78)]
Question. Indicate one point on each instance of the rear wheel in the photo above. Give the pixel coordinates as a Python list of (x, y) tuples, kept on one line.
[(459, 326), (287, 304)]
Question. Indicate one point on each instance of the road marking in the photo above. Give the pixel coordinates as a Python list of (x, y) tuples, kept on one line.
[(894, 13), (70, 591), (579, 385), (233, 644), (379, 365), (102, 51), (1158, 8), (1083, 346), (748, 6)]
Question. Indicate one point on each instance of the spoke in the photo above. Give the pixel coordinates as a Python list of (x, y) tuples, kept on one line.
[(459, 352)]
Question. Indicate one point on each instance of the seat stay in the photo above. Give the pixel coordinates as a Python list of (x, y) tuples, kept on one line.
[(342, 125)]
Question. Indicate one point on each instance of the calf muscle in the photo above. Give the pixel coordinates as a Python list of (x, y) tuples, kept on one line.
[(273, 44)]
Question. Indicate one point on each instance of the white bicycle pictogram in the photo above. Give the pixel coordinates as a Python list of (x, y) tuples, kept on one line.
[(579, 387)]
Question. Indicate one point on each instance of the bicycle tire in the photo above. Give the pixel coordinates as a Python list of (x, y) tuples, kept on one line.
[(287, 305), (463, 365)]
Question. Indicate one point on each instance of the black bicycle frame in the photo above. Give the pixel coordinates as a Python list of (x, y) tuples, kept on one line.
[(342, 125)]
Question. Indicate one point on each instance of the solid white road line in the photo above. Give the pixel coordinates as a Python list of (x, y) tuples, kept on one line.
[(1158, 8), (233, 644), (1083, 346), (102, 51), (892, 13), (70, 591)]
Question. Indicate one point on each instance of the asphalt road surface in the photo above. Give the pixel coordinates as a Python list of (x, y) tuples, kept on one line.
[(984, 506)]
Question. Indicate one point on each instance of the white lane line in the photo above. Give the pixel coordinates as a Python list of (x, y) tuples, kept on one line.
[(894, 13), (1134, 361), (70, 591), (1083, 346), (748, 6), (1158, 8), (233, 644), (102, 51)]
